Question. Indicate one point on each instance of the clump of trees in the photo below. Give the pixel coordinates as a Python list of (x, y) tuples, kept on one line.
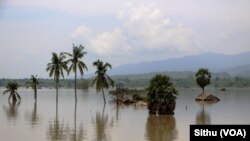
[(161, 95)]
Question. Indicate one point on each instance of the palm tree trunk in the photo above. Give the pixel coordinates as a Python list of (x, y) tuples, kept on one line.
[(103, 96), (57, 112), (103, 110), (203, 90), (56, 91), (75, 116), (34, 112), (35, 93), (75, 88), (74, 134), (14, 99)]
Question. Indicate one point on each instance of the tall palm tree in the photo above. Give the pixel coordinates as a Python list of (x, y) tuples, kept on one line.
[(203, 77), (56, 67), (102, 80), (75, 61), (12, 89), (33, 83)]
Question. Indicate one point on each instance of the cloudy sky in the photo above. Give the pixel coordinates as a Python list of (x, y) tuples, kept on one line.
[(117, 31)]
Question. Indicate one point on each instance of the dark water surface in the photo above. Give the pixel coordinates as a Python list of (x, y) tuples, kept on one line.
[(89, 120)]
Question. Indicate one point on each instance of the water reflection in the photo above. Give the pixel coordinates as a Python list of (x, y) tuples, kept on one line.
[(102, 125), (161, 128), (11, 111), (77, 134), (33, 117), (117, 109), (58, 131), (203, 117)]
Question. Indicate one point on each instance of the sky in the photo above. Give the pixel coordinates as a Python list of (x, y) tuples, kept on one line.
[(117, 31)]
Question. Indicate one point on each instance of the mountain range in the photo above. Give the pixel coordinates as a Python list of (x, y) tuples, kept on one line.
[(235, 65)]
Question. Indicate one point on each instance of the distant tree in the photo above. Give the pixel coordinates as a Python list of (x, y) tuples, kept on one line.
[(161, 95), (75, 61), (56, 67), (102, 80), (33, 83), (203, 77), (12, 89)]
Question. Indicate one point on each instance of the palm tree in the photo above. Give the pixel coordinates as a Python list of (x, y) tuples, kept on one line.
[(75, 61), (12, 89), (33, 83), (203, 77), (56, 67), (161, 95), (102, 80)]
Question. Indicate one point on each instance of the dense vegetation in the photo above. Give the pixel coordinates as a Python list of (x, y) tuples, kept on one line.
[(49, 83), (161, 95), (180, 79)]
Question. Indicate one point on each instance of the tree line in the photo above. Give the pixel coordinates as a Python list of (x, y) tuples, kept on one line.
[(134, 82)]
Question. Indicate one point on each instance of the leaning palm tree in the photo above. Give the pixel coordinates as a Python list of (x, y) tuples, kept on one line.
[(102, 80), (56, 67), (203, 77), (12, 89), (75, 61), (33, 83)]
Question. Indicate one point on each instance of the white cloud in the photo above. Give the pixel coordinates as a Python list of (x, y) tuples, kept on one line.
[(141, 28), (82, 31)]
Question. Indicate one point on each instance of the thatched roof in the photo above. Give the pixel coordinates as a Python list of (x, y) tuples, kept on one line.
[(206, 97)]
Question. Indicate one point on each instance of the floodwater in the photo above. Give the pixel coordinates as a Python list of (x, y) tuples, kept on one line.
[(89, 120)]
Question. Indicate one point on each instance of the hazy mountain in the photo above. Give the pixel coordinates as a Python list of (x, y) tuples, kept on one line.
[(214, 62), (172, 74), (243, 71)]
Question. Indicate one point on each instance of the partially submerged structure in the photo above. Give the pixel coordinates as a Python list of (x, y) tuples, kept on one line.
[(206, 97)]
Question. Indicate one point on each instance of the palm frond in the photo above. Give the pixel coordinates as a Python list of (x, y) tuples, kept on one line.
[(68, 54), (110, 80), (9, 97), (108, 65), (70, 68), (94, 81), (83, 65), (51, 73), (80, 69), (6, 91), (49, 67), (18, 96), (61, 72)]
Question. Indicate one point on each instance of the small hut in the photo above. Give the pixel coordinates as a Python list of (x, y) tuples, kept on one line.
[(206, 97)]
